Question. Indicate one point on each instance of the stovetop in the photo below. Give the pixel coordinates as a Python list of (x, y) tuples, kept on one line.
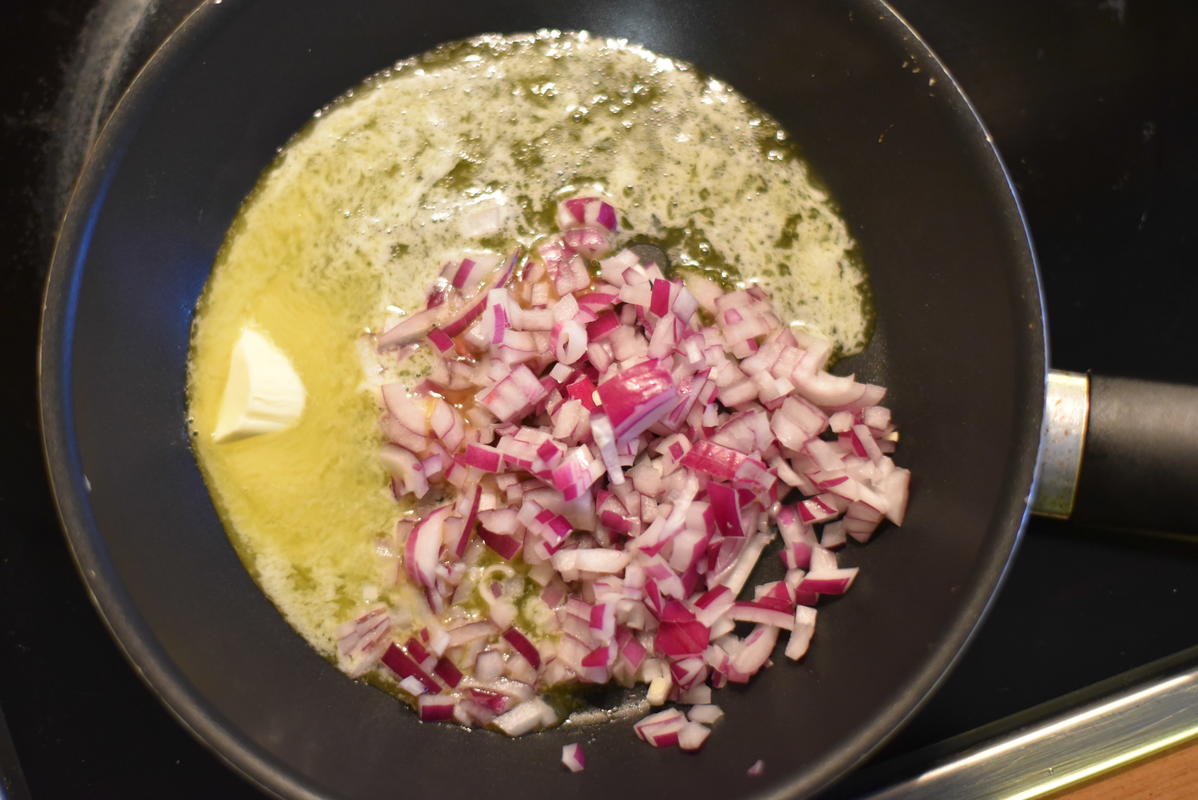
[(1094, 107)]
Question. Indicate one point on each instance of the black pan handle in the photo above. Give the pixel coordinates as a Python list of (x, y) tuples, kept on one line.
[(1120, 453)]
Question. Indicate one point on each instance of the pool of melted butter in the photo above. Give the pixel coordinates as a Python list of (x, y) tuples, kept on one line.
[(467, 148)]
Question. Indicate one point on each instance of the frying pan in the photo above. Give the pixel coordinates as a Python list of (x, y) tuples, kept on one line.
[(960, 342)]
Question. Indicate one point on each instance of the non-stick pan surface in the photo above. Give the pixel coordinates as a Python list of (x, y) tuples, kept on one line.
[(960, 343)]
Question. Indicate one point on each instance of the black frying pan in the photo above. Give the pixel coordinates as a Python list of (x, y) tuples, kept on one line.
[(960, 342)]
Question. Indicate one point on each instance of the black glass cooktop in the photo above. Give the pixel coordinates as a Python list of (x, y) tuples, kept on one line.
[(1094, 106)]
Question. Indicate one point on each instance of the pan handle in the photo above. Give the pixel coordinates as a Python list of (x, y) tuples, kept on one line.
[(1119, 453)]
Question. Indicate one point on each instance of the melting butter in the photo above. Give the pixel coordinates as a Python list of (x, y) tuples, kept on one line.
[(262, 394)]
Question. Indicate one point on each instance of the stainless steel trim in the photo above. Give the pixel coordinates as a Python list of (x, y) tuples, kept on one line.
[(1066, 749), (1066, 413)]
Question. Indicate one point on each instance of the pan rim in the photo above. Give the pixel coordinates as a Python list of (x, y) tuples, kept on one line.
[(1024, 472), (137, 641), (68, 483)]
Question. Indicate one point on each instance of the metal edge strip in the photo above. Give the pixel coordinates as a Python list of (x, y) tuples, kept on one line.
[(1065, 749)]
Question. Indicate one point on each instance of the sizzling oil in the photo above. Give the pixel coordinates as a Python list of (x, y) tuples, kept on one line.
[(468, 147)]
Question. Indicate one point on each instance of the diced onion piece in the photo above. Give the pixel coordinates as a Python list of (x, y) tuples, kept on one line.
[(636, 398), (574, 758), (406, 470), (424, 545), (761, 613), (736, 577), (402, 664), (484, 457), (692, 736), (435, 707), (835, 581), (440, 340), (596, 560), (800, 636), (413, 686), (661, 729), (528, 716), (705, 713), (523, 646)]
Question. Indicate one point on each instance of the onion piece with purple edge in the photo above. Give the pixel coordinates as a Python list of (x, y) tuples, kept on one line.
[(574, 758), (726, 508), (835, 581), (409, 329), (402, 664), (636, 398), (761, 613), (435, 707), (406, 469), (463, 319), (523, 646), (661, 729), (424, 546), (530, 715)]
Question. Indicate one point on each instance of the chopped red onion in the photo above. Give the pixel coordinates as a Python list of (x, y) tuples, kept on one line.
[(409, 329), (542, 394), (661, 729), (474, 308), (734, 578), (569, 341), (424, 545), (586, 211), (440, 340), (524, 647), (573, 757), (484, 457), (406, 469), (636, 398), (506, 546), (817, 509), (835, 581), (681, 638), (796, 555), (596, 560), (801, 633), (713, 459), (590, 241), (692, 736), (362, 640), (435, 707), (488, 665), (726, 509), (762, 613), (705, 713), (528, 716), (402, 665)]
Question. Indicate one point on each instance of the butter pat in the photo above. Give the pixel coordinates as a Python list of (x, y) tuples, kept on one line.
[(263, 393)]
